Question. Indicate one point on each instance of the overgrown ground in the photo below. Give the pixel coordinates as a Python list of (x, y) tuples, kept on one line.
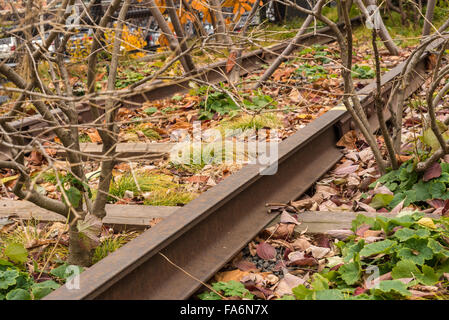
[(402, 256), (300, 91)]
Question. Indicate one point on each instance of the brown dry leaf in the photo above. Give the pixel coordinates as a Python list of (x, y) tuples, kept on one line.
[(226, 276), (36, 158), (295, 96), (94, 136), (245, 265), (287, 218), (301, 244), (266, 251), (348, 140), (287, 283), (252, 248), (230, 63)]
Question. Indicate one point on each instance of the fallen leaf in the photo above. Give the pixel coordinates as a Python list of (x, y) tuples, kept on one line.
[(235, 275), (94, 136), (434, 171), (301, 244), (287, 218), (266, 251), (230, 63), (427, 222), (346, 170), (287, 283), (348, 140), (318, 252)]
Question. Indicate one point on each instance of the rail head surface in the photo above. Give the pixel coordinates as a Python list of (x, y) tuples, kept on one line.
[(118, 270)]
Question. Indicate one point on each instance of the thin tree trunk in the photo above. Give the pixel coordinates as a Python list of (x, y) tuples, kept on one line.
[(172, 41), (222, 35), (383, 32), (289, 49), (428, 18), (236, 53), (179, 33)]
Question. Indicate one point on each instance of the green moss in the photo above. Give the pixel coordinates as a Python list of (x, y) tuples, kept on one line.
[(147, 131), (163, 191), (111, 244), (170, 198), (247, 122), (84, 138)]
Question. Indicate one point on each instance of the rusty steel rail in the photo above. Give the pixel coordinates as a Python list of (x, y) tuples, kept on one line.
[(205, 234)]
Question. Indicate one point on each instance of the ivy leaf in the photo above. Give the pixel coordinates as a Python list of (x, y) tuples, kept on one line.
[(416, 250), (41, 289), (64, 271), (377, 247), (8, 278), (428, 276), (350, 272), (18, 294), (405, 269), (397, 286), (406, 233), (381, 200), (302, 293), (319, 282), (16, 252), (329, 294), (437, 189), (437, 248), (209, 295), (232, 288)]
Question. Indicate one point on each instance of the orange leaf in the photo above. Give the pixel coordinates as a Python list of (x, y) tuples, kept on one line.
[(231, 61), (94, 136)]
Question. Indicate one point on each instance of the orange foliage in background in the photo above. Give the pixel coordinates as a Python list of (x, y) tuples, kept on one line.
[(239, 7)]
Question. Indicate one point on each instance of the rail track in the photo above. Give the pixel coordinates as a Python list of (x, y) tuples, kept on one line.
[(207, 233)]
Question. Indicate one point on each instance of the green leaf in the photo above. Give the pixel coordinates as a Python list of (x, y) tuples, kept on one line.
[(377, 247), (302, 293), (422, 191), (74, 196), (63, 273), (18, 294), (287, 297), (437, 248), (361, 220), (397, 286), (149, 111), (209, 295), (350, 272), (405, 269), (8, 278), (415, 250), (437, 189), (381, 200), (16, 252), (428, 276), (350, 251), (319, 282), (232, 288), (329, 294), (407, 233), (41, 289)]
